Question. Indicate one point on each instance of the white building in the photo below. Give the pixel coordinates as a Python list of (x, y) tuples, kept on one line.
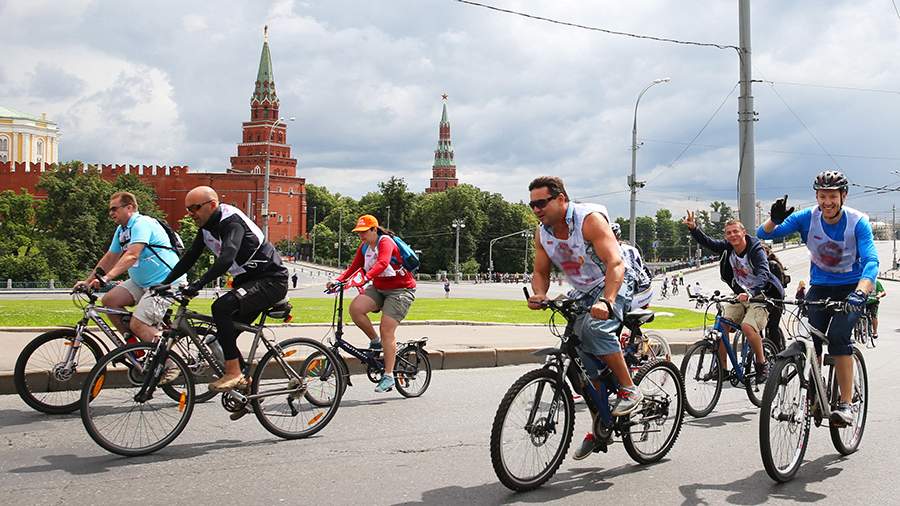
[(25, 138)]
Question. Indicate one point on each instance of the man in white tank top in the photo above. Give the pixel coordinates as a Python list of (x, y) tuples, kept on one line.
[(578, 239)]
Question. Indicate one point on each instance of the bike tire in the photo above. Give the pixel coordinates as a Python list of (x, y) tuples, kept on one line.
[(699, 376), (201, 381), (755, 390), (317, 365), (28, 371), (412, 374), (99, 413), (658, 402), (507, 476), (785, 373), (270, 374), (659, 346), (846, 440)]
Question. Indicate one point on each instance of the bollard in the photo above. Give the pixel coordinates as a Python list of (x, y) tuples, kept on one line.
[(9, 284), (51, 285)]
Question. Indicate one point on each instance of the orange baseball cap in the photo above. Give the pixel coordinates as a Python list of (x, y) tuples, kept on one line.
[(365, 222)]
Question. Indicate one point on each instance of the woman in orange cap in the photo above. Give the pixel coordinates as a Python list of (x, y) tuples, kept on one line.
[(392, 291)]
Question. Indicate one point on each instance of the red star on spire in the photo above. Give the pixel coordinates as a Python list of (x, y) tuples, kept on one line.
[(444, 96)]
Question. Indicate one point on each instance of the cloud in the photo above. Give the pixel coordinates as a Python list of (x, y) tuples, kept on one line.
[(364, 81)]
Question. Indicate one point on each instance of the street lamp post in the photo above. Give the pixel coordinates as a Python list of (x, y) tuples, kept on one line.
[(388, 225), (633, 183), (528, 235), (458, 224), (314, 235), (491, 250), (265, 208), (340, 229)]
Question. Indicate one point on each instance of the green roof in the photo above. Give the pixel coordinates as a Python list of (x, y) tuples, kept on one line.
[(6, 112)]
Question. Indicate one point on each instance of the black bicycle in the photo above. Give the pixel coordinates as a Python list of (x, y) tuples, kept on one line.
[(533, 427), (796, 394), (412, 367), (121, 412), (50, 370)]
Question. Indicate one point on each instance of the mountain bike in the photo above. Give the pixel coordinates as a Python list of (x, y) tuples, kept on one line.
[(533, 426), (796, 394), (49, 372), (701, 369), (122, 413), (412, 367)]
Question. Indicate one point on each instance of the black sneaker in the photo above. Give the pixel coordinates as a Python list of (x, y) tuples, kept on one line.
[(586, 448), (762, 373), (375, 345), (842, 415)]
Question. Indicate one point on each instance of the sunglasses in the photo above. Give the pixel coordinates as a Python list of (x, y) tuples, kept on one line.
[(193, 208), (113, 209), (542, 203)]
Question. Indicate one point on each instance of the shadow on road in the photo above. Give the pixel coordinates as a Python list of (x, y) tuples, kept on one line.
[(720, 420), (76, 465), (758, 488), (27, 416), (563, 484)]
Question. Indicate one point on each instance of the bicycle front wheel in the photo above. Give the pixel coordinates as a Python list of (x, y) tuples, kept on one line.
[(654, 426), (703, 376), (412, 371), (282, 379), (319, 368), (784, 420), (657, 347), (118, 422), (754, 389), (846, 439), (532, 430), (45, 377)]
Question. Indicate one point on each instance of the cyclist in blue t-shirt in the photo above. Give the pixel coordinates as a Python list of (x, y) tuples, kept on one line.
[(140, 246), (844, 265)]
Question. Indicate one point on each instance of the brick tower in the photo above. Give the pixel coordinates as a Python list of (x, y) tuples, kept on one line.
[(443, 172), (264, 134)]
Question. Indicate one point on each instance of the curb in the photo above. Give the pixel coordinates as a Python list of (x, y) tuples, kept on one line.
[(440, 360)]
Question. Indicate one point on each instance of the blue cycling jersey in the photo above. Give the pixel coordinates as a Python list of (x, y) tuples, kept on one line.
[(866, 261)]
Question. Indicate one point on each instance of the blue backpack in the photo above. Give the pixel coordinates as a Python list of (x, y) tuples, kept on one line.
[(410, 261)]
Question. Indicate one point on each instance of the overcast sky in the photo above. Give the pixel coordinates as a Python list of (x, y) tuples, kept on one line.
[(170, 84)]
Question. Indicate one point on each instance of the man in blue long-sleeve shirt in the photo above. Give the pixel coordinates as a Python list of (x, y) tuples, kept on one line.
[(844, 266)]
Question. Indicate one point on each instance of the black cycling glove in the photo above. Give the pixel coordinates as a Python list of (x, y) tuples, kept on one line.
[(779, 213), (191, 290)]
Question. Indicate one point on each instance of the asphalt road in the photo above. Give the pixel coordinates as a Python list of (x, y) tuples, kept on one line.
[(383, 449)]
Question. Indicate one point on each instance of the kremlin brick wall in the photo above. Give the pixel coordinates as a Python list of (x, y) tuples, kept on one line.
[(171, 183)]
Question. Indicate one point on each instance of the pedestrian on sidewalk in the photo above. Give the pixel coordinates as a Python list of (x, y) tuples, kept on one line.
[(294, 278), (446, 288)]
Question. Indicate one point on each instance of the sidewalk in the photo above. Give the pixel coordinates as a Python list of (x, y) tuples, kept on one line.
[(451, 345)]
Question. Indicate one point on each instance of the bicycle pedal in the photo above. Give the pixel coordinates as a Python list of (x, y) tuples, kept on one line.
[(237, 415)]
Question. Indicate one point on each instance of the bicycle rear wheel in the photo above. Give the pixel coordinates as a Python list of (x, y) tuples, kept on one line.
[(283, 408), (658, 347), (703, 377), (532, 430), (119, 423), (846, 439), (784, 420), (412, 371), (754, 389), (42, 377), (655, 424)]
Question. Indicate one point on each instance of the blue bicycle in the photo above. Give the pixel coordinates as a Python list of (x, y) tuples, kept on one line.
[(704, 375), (534, 423)]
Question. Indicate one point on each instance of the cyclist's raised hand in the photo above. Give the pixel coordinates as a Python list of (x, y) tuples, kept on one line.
[(537, 301), (779, 211), (690, 220)]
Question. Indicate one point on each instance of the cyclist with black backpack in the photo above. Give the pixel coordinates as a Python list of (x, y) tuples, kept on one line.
[(140, 246), (393, 289)]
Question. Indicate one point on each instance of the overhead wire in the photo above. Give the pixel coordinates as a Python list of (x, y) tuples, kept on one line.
[(603, 30)]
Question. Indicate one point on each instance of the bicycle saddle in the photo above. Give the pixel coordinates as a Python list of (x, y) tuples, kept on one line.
[(638, 317), (280, 310)]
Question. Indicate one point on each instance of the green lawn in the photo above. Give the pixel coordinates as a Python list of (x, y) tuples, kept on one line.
[(43, 313)]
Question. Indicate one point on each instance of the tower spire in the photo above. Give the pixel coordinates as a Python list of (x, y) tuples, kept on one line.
[(265, 78)]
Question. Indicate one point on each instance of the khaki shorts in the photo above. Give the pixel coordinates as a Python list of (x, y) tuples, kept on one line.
[(394, 303), (149, 310), (754, 314)]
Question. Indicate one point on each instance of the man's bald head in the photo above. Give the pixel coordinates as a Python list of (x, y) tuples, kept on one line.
[(201, 203)]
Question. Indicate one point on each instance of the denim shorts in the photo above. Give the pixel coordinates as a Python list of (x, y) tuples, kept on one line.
[(838, 327), (600, 337)]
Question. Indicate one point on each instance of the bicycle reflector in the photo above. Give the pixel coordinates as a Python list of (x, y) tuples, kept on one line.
[(181, 402), (315, 419), (98, 386)]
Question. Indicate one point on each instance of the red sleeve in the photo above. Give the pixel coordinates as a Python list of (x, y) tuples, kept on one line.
[(384, 258), (355, 265)]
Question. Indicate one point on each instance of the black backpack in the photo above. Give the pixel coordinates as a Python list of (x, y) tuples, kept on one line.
[(778, 268), (177, 245)]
